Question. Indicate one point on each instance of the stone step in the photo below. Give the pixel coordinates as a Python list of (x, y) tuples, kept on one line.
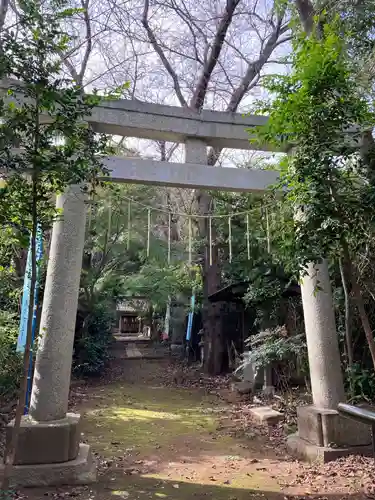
[(243, 387), (266, 415), (132, 350)]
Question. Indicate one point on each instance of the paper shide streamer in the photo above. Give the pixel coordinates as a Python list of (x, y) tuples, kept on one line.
[(230, 238), (266, 215), (129, 225), (169, 236), (148, 231)]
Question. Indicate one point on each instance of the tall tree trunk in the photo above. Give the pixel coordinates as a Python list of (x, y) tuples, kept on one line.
[(212, 273), (4, 7), (306, 14), (216, 355)]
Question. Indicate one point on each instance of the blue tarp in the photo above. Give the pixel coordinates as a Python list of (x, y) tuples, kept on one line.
[(189, 326), (190, 319), (26, 293), (21, 343)]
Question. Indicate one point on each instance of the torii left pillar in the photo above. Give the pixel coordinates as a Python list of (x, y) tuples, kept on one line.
[(49, 451)]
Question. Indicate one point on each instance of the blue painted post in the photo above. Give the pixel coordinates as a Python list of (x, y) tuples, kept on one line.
[(189, 326), (190, 318), (21, 342)]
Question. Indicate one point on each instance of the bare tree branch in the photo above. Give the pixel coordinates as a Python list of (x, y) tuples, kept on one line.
[(161, 54), (4, 6), (72, 70), (306, 14), (199, 95), (255, 67), (284, 40), (88, 38), (190, 23)]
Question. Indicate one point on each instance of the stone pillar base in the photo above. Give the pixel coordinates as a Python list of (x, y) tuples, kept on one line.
[(304, 450), (49, 442), (81, 470), (50, 453), (324, 435)]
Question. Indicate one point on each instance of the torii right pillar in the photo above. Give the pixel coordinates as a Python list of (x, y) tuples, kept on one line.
[(322, 433)]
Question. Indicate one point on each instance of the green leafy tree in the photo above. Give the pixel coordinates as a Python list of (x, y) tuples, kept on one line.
[(318, 109), (45, 143)]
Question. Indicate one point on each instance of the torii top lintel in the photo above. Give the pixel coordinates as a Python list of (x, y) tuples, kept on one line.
[(132, 118)]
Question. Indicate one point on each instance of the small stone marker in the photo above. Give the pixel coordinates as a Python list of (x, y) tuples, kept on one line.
[(243, 387), (266, 415)]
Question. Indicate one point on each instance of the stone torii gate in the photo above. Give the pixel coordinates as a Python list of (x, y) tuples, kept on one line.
[(49, 450)]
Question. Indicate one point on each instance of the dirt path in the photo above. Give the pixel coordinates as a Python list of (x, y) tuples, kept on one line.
[(156, 439)]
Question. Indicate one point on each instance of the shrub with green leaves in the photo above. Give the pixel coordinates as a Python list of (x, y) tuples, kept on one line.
[(360, 383), (91, 348), (274, 345), (10, 360)]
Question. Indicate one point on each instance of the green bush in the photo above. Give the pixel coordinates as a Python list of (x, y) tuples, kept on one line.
[(274, 345), (91, 348), (10, 360), (360, 383)]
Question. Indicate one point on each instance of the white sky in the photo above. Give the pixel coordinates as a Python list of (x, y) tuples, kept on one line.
[(121, 52)]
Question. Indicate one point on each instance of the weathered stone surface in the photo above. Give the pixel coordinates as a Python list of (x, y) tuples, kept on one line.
[(322, 342), (307, 451), (268, 389), (344, 432), (81, 470), (49, 399), (243, 387), (189, 175), (248, 370), (195, 151), (266, 415), (310, 425), (46, 442), (161, 122), (324, 427), (133, 118)]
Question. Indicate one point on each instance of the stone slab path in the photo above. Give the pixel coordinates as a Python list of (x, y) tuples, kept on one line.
[(128, 348), (155, 439), (133, 352)]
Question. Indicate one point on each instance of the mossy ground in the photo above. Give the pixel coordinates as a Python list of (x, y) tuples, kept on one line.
[(144, 418), (154, 441), (172, 437)]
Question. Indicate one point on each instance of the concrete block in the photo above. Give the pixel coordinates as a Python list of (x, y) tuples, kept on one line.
[(324, 427), (46, 442), (188, 175), (345, 432), (243, 387), (310, 425), (266, 415), (81, 470), (304, 450)]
